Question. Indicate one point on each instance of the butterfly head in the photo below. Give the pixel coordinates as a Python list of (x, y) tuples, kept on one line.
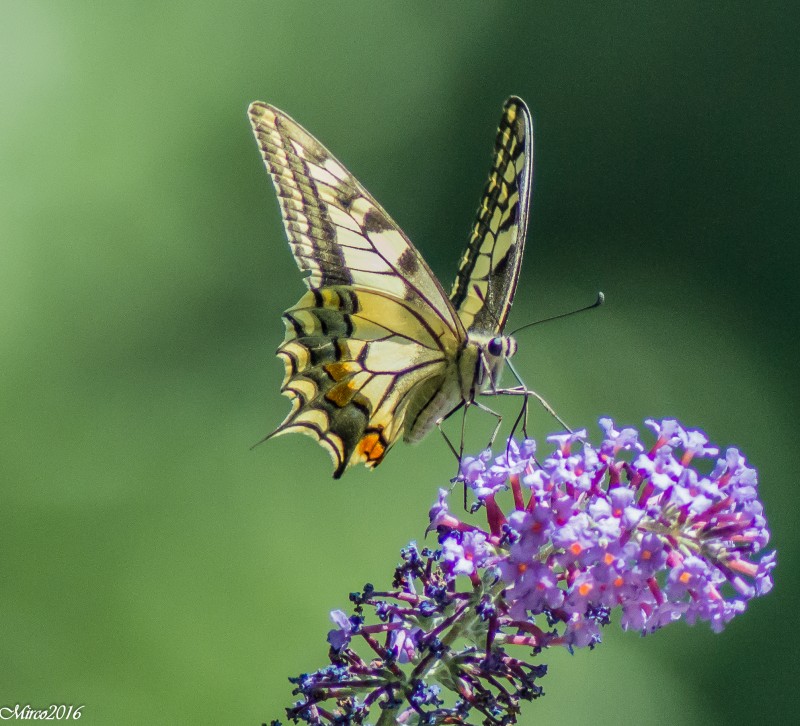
[(501, 346), (492, 354)]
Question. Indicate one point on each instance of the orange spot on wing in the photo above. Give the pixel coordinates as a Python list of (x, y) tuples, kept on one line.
[(372, 448), (337, 371), (341, 394)]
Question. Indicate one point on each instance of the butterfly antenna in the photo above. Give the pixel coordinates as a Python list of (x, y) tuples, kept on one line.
[(601, 298)]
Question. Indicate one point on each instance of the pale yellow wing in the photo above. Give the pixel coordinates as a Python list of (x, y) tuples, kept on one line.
[(338, 233)]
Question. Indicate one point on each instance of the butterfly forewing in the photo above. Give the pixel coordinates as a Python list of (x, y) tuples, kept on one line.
[(489, 269), (337, 231)]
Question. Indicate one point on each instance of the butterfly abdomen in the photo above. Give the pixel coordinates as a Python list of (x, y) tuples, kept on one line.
[(429, 406)]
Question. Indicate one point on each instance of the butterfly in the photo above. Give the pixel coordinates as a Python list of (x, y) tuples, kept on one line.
[(376, 349)]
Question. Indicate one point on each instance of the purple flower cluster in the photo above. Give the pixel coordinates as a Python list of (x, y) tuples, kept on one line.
[(596, 528), (413, 657), (668, 532)]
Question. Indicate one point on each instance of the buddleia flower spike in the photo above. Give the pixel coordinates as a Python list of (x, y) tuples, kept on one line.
[(572, 538)]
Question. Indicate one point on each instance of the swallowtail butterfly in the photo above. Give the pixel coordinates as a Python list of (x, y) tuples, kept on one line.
[(376, 349)]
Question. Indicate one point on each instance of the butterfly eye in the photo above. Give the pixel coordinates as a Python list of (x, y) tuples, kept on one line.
[(495, 346)]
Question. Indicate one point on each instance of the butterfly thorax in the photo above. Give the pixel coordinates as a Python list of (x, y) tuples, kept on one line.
[(476, 368)]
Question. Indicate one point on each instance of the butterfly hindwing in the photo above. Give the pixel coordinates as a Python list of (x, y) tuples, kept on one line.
[(487, 276), (375, 338), (356, 362)]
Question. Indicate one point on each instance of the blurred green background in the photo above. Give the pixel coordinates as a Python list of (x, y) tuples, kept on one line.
[(159, 571)]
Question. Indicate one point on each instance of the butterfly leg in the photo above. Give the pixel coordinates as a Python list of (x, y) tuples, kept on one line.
[(523, 390), (460, 452), (522, 417), (497, 416), (493, 391)]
